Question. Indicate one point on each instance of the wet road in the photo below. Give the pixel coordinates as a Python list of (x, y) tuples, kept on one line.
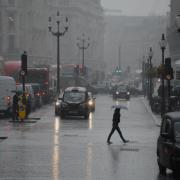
[(76, 149)]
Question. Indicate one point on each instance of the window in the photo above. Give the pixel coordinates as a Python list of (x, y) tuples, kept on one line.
[(166, 126), (177, 131), (74, 96), (11, 24)]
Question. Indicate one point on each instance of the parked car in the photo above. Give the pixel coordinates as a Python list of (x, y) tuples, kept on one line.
[(30, 95), (7, 89), (73, 102), (92, 101), (168, 144), (122, 91)]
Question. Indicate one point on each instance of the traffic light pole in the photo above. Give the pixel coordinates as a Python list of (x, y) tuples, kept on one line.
[(23, 69)]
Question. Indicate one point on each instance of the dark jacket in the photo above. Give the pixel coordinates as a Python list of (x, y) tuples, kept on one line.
[(15, 100), (116, 116)]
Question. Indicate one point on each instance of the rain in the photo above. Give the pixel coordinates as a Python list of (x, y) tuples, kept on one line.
[(89, 89)]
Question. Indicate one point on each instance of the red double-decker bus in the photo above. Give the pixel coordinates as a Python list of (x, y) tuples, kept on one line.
[(40, 75), (12, 68)]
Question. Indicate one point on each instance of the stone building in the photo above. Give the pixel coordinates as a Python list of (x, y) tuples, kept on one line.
[(172, 33), (24, 26), (128, 39)]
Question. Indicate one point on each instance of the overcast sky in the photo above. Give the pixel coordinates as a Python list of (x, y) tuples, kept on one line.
[(138, 7)]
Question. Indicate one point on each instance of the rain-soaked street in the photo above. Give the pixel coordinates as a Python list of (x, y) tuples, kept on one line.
[(76, 149)]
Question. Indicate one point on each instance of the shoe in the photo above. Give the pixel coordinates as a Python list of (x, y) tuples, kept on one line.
[(109, 142), (126, 141)]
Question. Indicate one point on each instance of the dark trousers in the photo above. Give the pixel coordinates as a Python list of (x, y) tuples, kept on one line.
[(116, 127), (15, 113)]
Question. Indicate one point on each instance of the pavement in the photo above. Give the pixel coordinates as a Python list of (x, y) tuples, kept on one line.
[(156, 117)]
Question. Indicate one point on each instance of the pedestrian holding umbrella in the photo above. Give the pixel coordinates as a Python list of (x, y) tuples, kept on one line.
[(115, 123)]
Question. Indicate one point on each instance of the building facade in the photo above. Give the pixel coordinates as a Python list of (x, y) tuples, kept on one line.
[(172, 33), (128, 39), (24, 27)]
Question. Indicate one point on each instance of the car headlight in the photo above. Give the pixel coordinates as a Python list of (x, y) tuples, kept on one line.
[(90, 102), (128, 93), (57, 103), (117, 92)]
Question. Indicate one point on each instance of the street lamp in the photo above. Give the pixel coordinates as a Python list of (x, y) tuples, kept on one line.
[(162, 44), (150, 74), (58, 34), (83, 44)]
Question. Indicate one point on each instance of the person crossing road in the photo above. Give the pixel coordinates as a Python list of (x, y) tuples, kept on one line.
[(115, 126)]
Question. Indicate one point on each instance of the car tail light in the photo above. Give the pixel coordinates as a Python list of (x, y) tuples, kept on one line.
[(37, 94), (8, 100)]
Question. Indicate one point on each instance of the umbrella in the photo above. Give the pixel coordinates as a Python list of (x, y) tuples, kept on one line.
[(119, 106)]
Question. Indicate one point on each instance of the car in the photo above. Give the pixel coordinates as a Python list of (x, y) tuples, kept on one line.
[(168, 143), (7, 89), (92, 102), (122, 91), (73, 102)]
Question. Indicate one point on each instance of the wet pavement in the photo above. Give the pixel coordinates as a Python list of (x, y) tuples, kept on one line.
[(76, 149)]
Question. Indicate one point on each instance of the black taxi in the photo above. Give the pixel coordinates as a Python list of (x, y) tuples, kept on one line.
[(168, 144), (73, 102)]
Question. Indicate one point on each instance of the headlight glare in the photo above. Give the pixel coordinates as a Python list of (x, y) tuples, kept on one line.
[(57, 103), (90, 102)]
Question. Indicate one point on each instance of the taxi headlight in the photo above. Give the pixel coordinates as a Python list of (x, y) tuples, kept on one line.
[(90, 103), (128, 93), (57, 103), (117, 92)]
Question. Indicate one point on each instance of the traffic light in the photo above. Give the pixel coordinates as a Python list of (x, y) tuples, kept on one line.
[(24, 62), (169, 74)]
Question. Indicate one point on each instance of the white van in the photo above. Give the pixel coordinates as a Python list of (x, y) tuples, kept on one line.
[(7, 89)]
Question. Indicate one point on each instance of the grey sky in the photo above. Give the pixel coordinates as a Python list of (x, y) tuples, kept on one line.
[(138, 7)]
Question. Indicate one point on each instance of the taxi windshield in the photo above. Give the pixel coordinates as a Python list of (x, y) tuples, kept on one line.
[(122, 88), (177, 131), (74, 96)]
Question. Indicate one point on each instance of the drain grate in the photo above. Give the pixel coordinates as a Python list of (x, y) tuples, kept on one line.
[(130, 149)]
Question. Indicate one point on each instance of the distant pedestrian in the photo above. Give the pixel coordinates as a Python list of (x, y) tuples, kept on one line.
[(115, 126), (15, 107)]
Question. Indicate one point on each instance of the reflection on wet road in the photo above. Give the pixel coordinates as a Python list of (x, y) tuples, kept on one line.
[(75, 148)]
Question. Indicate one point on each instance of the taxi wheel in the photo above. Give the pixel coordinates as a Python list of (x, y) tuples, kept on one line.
[(162, 169), (62, 115), (56, 113)]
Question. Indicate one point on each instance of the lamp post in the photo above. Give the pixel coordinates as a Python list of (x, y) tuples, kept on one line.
[(150, 74), (162, 44), (58, 34), (83, 44)]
